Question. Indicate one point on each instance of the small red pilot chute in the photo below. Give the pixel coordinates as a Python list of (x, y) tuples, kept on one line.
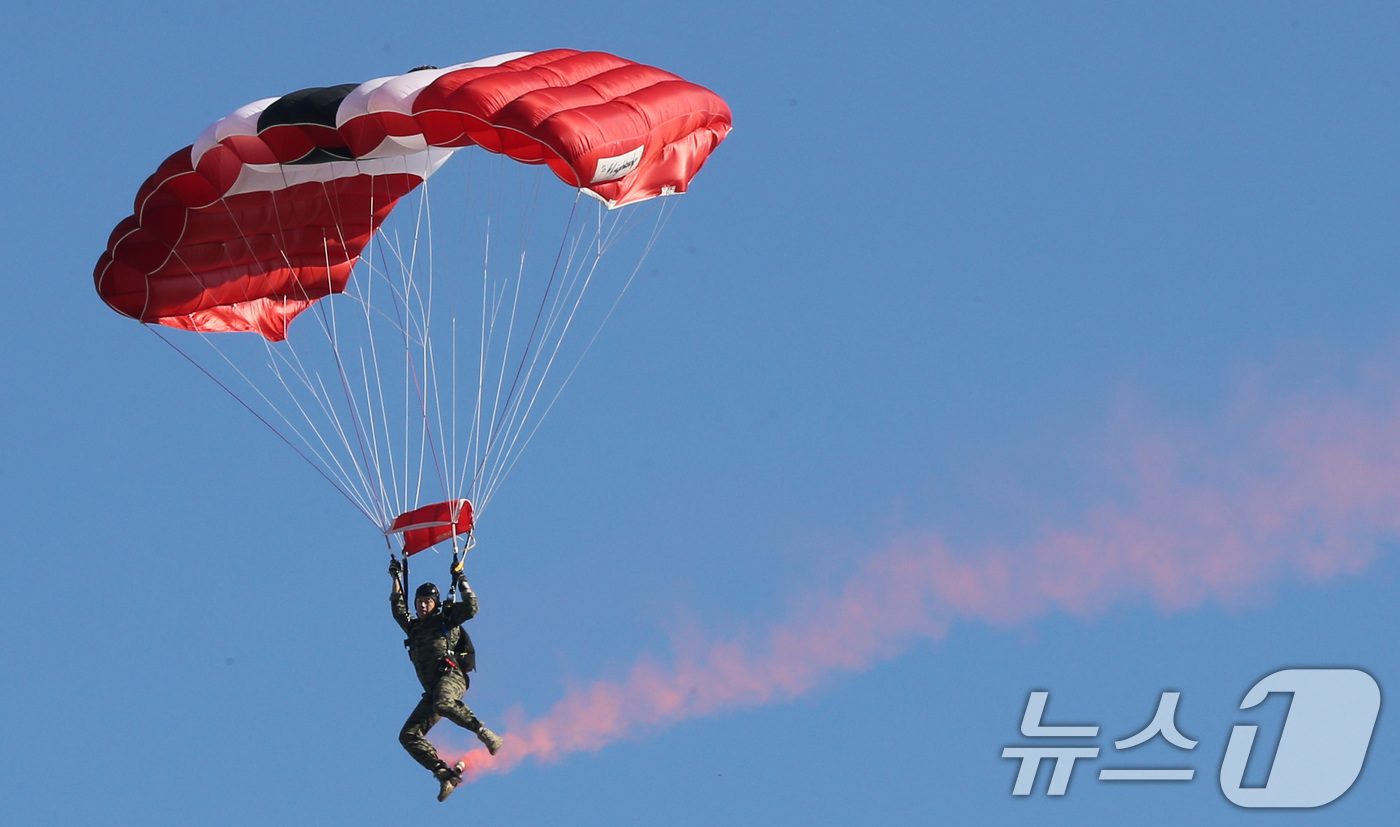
[(431, 524)]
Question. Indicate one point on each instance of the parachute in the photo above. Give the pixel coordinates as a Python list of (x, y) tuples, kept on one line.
[(279, 221)]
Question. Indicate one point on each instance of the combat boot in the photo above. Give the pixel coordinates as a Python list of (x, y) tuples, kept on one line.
[(490, 739), (448, 779)]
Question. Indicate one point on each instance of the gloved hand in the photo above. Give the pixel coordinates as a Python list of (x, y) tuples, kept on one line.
[(395, 568)]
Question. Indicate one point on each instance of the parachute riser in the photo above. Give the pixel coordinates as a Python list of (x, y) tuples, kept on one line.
[(459, 559), (401, 579)]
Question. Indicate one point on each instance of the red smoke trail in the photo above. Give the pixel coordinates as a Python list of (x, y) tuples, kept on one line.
[(1301, 487)]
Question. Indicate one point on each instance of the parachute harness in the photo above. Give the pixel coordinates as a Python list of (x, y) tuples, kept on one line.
[(455, 592)]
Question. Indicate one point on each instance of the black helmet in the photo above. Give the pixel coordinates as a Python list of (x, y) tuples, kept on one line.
[(427, 590)]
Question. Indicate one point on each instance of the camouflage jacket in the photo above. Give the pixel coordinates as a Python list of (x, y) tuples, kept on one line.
[(437, 643)]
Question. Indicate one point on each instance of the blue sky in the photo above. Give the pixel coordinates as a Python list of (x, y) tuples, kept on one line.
[(1098, 297)]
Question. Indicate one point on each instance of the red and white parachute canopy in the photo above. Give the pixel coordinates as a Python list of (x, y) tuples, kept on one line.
[(271, 210)]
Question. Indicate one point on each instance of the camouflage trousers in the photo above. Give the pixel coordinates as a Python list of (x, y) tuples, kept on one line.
[(443, 700)]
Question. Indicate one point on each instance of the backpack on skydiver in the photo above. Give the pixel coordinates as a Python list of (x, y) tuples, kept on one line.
[(465, 652)]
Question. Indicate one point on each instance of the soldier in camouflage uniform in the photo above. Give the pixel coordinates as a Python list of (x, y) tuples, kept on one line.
[(442, 655)]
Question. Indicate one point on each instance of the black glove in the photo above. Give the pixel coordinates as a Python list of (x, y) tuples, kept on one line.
[(395, 568)]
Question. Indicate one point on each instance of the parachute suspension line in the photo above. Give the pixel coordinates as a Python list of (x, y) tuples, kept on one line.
[(501, 412), (411, 321), (474, 441), (414, 314), (331, 328), (529, 341), (482, 449), (401, 302), (521, 410), (404, 289), (484, 445), (368, 304), (427, 444), (413, 302), (429, 357), (410, 332), (370, 429), (455, 478), (205, 337), (380, 241), (352, 410), (452, 443), (665, 210), (353, 501), (452, 451), (573, 279), (373, 424), (294, 364), (496, 408), (321, 398), (401, 322), (474, 438), (663, 213), (370, 407)]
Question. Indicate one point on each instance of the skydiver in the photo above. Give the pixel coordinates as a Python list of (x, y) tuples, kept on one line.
[(442, 656)]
